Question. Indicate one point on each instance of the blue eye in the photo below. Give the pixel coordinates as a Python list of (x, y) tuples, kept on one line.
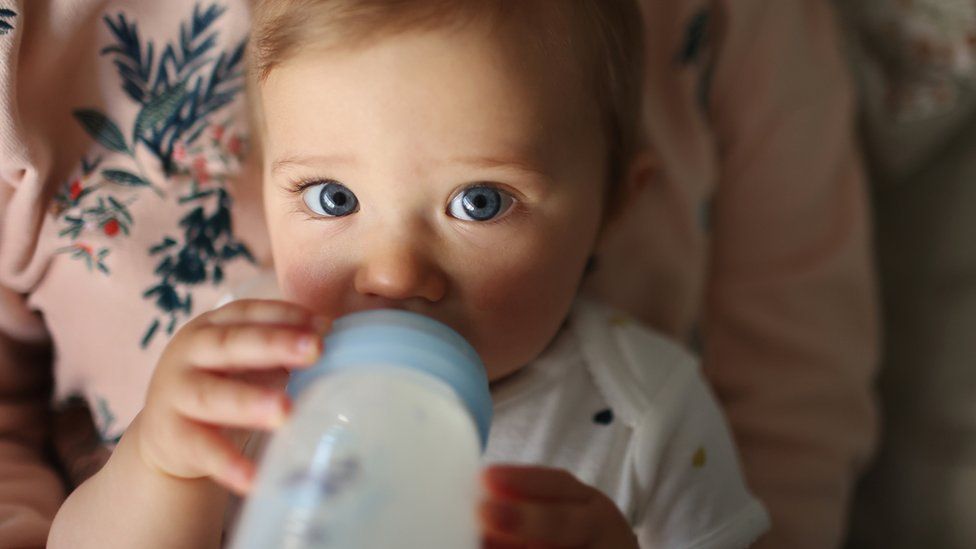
[(330, 198), (480, 203)]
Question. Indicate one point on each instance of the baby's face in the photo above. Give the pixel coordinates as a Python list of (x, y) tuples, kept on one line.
[(444, 172)]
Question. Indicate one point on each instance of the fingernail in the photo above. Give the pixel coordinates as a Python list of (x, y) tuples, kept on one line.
[(241, 477), (277, 410), (305, 345)]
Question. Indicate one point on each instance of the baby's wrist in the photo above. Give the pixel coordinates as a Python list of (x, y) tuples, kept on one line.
[(136, 467)]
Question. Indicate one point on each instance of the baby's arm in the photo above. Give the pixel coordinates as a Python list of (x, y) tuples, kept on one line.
[(790, 327), (128, 504), (30, 490), (165, 484)]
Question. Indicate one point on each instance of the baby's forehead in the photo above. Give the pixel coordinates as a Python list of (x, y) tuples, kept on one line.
[(540, 34), (583, 56), (461, 91)]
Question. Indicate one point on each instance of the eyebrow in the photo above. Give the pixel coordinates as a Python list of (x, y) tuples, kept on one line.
[(487, 162), (501, 162), (312, 160)]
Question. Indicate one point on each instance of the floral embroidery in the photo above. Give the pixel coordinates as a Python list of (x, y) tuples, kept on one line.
[(107, 215), (106, 419), (208, 242), (178, 93), (93, 259), (926, 50), (5, 25)]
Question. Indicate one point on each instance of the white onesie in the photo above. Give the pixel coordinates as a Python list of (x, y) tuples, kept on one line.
[(627, 411)]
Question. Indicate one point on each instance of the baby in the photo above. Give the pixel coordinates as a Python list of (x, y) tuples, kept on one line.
[(458, 159)]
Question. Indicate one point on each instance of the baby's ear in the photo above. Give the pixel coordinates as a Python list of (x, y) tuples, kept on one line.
[(641, 171)]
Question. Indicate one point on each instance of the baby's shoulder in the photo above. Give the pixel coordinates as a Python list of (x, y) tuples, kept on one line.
[(629, 361)]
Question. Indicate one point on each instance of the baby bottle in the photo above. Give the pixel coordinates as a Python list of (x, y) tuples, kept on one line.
[(383, 446)]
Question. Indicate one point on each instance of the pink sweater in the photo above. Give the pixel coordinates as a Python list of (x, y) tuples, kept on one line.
[(121, 139)]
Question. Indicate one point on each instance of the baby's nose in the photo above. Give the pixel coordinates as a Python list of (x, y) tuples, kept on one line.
[(399, 272)]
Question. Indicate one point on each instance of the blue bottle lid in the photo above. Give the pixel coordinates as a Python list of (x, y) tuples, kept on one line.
[(402, 338)]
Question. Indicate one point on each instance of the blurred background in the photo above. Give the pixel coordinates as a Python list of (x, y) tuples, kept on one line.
[(915, 64)]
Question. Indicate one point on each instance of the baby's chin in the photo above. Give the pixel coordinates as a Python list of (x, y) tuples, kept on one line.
[(499, 379), (497, 374), (509, 361)]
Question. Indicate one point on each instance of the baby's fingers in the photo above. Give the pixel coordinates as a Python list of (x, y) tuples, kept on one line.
[(548, 507), (224, 401), (548, 524), (258, 311), (532, 482), (244, 346), (218, 457)]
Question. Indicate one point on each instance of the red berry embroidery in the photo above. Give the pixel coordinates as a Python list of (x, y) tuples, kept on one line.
[(76, 189), (179, 153), (111, 227), (200, 170), (235, 145)]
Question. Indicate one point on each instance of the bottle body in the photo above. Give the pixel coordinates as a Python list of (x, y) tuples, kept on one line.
[(379, 456)]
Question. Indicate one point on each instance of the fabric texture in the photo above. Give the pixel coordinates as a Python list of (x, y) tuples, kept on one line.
[(627, 411)]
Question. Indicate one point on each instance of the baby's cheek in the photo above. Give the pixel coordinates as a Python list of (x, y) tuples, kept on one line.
[(518, 312), (315, 288)]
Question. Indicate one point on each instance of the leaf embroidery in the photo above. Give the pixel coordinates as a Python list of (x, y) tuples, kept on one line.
[(123, 177), (84, 252), (5, 25), (102, 129), (208, 242), (107, 420), (178, 93), (159, 110)]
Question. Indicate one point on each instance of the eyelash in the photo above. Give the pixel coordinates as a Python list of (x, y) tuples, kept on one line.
[(515, 210), (298, 186)]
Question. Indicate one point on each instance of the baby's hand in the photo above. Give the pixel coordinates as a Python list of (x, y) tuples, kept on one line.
[(543, 507), (224, 370)]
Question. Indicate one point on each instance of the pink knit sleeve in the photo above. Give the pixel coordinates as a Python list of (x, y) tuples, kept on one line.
[(790, 313), (30, 489)]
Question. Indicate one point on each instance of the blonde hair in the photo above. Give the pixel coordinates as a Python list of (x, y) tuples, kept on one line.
[(607, 35)]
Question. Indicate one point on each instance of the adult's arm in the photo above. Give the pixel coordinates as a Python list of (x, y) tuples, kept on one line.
[(790, 318)]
